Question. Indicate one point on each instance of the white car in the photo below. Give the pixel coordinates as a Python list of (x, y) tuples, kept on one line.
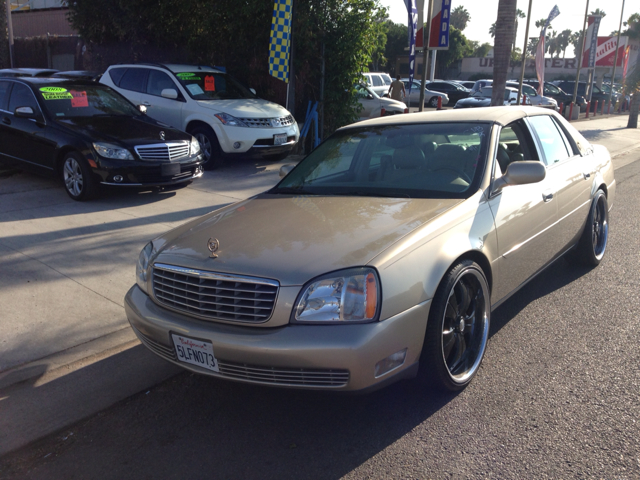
[(372, 104), (528, 90), (430, 96), (379, 82), (228, 119)]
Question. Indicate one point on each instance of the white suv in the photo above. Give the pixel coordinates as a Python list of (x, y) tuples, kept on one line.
[(227, 119)]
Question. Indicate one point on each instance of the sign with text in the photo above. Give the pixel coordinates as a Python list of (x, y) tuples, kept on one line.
[(591, 43)]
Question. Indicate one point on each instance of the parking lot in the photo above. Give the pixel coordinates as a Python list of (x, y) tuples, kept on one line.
[(556, 394)]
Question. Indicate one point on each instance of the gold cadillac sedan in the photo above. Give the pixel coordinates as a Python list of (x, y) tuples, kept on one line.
[(379, 256)]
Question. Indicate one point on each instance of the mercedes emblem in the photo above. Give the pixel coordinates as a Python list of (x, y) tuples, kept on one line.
[(162, 135), (213, 245)]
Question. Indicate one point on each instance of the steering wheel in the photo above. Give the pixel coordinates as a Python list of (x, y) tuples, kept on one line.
[(459, 173)]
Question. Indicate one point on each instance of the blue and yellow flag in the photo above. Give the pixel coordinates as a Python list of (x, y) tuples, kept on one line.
[(280, 40)]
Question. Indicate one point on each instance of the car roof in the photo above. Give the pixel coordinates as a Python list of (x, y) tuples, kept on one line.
[(500, 115), (172, 67), (52, 80), (29, 72)]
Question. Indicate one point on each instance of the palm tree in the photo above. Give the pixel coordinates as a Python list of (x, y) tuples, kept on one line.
[(504, 30), (519, 14), (597, 11), (540, 23), (565, 41), (460, 17), (492, 30)]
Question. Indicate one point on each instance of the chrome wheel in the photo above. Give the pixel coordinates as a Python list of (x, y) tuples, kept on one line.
[(465, 326), (600, 227), (73, 177), (205, 145), (433, 102)]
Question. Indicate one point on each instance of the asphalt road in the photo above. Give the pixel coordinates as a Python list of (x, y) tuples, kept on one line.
[(557, 397)]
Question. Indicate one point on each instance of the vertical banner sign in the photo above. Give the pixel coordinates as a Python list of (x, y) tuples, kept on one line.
[(540, 50), (591, 42), (420, 30), (413, 27), (439, 35), (279, 50), (626, 62), (606, 51)]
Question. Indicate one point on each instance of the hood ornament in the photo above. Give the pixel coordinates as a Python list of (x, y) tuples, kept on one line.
[(162, 135), (213, 245)]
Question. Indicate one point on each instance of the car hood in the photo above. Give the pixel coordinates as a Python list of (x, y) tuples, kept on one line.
[(295, 238), (474, 102), (121, 130), (246, 107), (389, 102)]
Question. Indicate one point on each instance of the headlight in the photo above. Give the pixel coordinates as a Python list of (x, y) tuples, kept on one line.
[(112, 151), (142, 266), (349, 296), (230, 121), (195, 146)]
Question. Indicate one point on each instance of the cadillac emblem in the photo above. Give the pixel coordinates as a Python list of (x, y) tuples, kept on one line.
[(162, 135), (213, 245)]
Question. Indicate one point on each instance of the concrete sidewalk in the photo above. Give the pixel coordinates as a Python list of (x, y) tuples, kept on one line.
[(67, 351)]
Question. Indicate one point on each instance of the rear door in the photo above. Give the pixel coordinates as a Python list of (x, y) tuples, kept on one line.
[(167, 110), (133, 83)]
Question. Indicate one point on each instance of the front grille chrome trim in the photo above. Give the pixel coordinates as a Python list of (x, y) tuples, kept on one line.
[(169, 151)]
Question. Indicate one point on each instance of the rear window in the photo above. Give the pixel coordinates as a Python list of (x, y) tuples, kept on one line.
[(116, 75), (134, 79)]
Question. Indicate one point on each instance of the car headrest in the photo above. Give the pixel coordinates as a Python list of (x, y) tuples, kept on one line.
[(408, 157), (448, 154)]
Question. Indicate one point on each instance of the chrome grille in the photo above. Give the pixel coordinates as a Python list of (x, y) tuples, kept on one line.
[(163, 151), (215, 295), (269, 122), (300, 377)]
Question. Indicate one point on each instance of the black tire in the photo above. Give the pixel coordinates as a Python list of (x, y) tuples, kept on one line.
[(210, 147), (592, 245), (77, 177), (433, 102), (457, 329)]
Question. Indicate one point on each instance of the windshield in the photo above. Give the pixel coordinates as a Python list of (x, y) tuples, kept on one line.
[(84, 101), (362, 92), (205, 85), (429, 160), (483, 92)]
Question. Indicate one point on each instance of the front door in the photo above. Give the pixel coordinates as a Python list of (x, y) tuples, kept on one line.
[(166, 110)]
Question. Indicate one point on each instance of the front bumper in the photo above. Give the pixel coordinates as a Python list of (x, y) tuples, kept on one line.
[(254, 141), (326, 357), (135, 173)]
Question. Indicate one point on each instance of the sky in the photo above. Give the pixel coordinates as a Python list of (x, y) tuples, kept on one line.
[(484, 12)]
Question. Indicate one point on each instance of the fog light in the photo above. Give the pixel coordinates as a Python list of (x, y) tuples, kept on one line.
[(118, 178), (390, 363), (236, 145)]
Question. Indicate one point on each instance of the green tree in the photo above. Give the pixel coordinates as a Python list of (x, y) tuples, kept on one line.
[(633, 26), (519, 14), (564, 41), (492, 30), (459, 47), (397, 35), (460, 17), (540, 23), (597, 11), (504, 33), (482, 50)]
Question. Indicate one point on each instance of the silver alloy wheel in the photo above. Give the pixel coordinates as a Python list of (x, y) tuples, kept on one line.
[(433, 102), (73, 178), (205, 145), (600, 227), (465, 325)]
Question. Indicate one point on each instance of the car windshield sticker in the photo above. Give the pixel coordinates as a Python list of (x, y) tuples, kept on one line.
[(195, 89), (55, 93), (209, 83), (186, 76), (79, 99)]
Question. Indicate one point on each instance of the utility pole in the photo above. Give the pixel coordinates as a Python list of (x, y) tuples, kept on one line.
[(524, 55), (426, 35), (584, 38)]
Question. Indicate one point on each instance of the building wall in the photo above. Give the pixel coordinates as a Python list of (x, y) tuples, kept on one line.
[(33, 23)]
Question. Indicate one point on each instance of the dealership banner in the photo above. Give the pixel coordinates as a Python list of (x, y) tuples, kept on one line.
[(606, 51), (439, 34), (540, 61), (413, 27), (280, 47), (591, 43)]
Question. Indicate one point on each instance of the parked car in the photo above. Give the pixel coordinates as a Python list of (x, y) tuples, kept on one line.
[(465, 83), (402, 235), (87, 134), (430, 96), (228, 120), (78, 75), (379, 82), (529, 91), (560, 96), (596, 95), (482, 98), (453, 90), (372, 104), (27, 72)]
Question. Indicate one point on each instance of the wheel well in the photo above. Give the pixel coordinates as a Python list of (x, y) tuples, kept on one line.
[(481, 260), (61, 154), (196, 123), (603, 187)]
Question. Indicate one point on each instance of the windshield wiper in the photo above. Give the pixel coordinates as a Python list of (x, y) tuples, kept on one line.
[(291, 190), (360, 193)]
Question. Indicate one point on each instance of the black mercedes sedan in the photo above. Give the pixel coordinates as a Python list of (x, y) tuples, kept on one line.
[(88, 134)]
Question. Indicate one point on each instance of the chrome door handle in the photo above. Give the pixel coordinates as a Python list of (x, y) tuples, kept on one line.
[(547, 197), (586, 175)]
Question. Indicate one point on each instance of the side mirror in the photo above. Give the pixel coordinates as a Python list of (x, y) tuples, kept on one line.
[(25, 112), (253, 90), (521, 173), (170, 93), (285, 169), (143, 109), (369, 96)]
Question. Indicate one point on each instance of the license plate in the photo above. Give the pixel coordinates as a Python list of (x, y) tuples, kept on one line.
[(279, 138), (170, 169), (195, 352)]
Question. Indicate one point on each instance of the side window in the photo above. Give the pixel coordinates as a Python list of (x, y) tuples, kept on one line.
[(22, 96), (551, 139), (377, 81), (159, 81), (4, 88), (116, 75), (515, 144), (134, 79), (551, 89)]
